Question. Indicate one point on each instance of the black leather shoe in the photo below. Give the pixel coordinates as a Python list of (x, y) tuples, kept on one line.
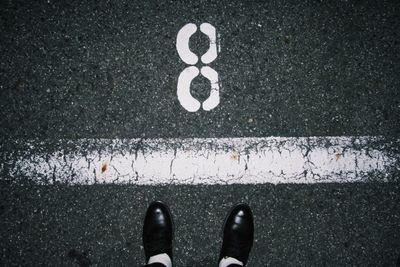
[(238, 234), (157, 230)]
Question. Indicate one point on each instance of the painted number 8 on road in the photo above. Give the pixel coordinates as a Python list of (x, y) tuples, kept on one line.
[(185, 78)]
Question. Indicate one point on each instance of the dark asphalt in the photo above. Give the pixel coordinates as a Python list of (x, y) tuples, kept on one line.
[(296, 225), (108, 69)]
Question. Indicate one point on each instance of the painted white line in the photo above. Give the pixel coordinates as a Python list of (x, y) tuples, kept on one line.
[(205, 161)]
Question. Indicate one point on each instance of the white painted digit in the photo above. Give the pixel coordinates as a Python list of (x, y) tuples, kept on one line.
[(182, 44), (211, 54), (185, 98), (213, 100), (188, 74)]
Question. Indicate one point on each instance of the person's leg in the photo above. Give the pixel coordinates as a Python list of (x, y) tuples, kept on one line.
[(155, 265), (230, 262), (157, 235), (238, 237)]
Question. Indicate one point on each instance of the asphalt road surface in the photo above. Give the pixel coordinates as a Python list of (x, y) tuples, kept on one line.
[(108, 69)]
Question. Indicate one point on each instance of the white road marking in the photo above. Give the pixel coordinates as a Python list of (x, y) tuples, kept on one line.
[(182, 44), (211, 54), (185, 98), (213, 100), (204, 161)]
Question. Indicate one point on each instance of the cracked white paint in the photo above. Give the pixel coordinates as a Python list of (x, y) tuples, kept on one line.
[(207, 161), (213, 100), (211, 54)]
